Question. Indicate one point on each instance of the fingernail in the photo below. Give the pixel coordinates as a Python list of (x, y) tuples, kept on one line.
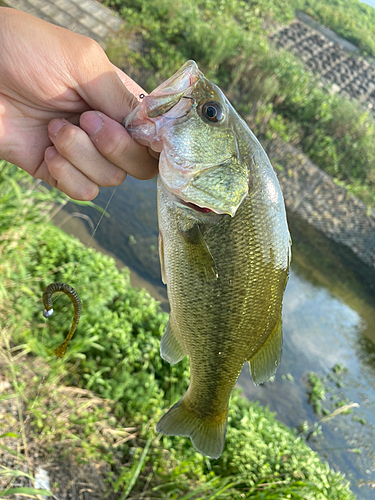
[(91, 122), (55, 126), (50, 152)]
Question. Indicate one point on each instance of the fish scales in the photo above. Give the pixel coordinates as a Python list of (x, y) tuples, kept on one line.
[(220, 336), (224, 249)]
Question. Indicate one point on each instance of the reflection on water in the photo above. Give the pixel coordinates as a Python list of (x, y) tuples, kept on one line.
[(329, 318), (319, 332)]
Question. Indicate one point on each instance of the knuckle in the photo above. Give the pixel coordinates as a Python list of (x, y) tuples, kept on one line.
[(87, 50), (67, 141), (85, 192), (56, 166), (149, 174), (116, 178), (115, 149), (92, 47)]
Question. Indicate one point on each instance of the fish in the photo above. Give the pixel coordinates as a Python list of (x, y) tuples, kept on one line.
[(224, 248)]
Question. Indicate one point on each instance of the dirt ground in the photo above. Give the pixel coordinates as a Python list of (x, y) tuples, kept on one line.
[(23, 451)]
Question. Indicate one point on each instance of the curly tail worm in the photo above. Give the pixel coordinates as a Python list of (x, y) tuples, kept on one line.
[(48, 311)]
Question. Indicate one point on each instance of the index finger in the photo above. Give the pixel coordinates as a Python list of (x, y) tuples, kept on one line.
[(114, 143), (101, 84), (130, 84)]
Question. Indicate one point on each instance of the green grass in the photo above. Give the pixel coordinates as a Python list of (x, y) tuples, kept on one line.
[(270, 88), (99, 404), (316, 392), (351, 19)]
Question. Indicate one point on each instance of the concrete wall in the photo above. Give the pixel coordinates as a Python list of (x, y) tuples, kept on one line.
[(87, 17), (313, 196), (310, 193), (333, 59)]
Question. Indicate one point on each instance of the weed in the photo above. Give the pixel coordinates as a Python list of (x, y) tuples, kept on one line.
[(96, 408), (316, 392)]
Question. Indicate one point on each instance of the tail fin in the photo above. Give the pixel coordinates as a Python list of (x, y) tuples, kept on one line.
[(207, 435)]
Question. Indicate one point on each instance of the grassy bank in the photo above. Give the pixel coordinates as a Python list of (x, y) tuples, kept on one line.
[(97, 407), (351, 19), (270, 88)]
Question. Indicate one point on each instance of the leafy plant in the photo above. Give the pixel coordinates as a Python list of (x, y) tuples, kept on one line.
[(316, 392)]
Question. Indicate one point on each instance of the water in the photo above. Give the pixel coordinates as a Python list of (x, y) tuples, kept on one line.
[(324, 327), (329, 319)]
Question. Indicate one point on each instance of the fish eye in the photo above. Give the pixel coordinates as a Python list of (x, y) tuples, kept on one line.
[(212, 111)]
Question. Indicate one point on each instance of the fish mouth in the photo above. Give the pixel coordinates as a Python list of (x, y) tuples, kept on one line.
[(202, 210), (168, 102), (181, 81)]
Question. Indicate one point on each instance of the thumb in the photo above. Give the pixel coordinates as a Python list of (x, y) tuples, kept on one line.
[(103, 86)]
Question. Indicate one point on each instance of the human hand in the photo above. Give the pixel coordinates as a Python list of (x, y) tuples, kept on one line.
[(61, 105)]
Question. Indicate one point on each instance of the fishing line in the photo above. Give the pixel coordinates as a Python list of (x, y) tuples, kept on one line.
[(96, 228), (54, 287), (89, 242)]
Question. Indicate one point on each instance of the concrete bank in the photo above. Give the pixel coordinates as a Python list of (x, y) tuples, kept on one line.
[(314, 197), (336, 61), (87, 17)]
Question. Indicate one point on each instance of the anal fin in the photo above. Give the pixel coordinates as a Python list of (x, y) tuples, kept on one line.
[(265, 362), (170, 348)]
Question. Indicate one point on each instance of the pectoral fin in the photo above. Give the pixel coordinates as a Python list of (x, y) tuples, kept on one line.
[(198, 253), (265, 362), (170, 348)]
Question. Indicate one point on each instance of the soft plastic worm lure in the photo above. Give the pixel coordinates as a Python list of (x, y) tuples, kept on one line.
[(48, 311)]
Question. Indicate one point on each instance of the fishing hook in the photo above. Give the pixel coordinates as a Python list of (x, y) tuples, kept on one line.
[(48, 311)]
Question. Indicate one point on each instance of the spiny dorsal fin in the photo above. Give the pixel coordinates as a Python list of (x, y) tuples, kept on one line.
[(265, 362), (170, 348)]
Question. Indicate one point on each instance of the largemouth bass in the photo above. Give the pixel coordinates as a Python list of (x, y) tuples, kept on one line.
[(224, 248)]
